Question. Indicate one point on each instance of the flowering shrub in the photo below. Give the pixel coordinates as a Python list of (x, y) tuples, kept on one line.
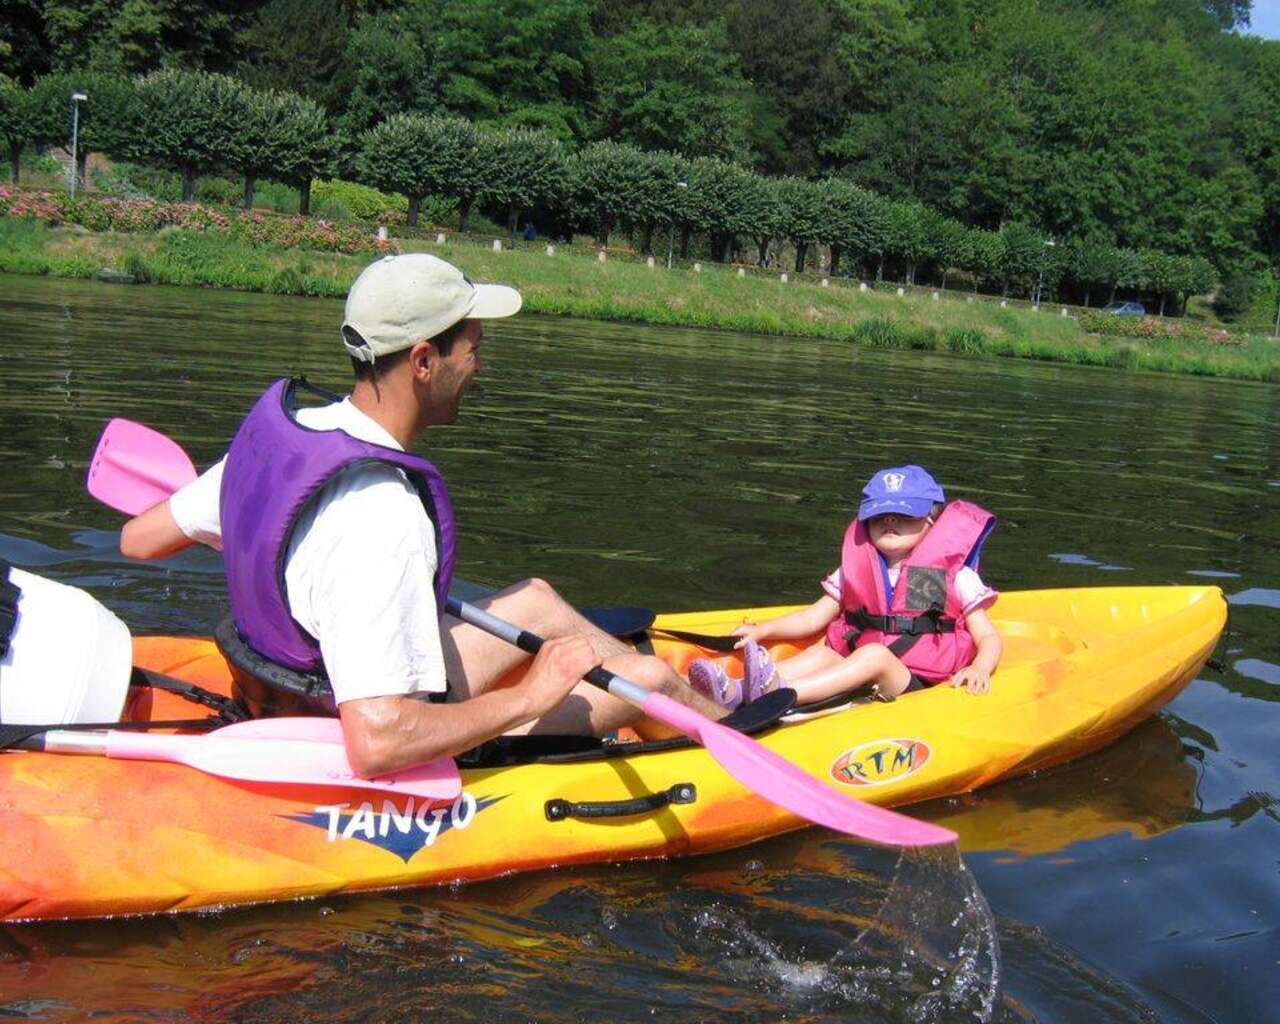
[(1148, 328), (113, 213)]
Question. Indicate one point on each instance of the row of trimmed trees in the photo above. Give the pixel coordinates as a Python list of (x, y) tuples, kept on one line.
[(198, 123)]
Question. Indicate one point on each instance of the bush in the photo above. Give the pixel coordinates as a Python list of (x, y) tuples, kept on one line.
[(1234, 296), (139, 268), (348, 199)]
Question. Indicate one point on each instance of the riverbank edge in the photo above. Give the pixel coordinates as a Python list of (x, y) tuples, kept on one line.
[(574, 286)]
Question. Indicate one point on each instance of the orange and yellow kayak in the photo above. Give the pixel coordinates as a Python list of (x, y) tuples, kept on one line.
[(86, 836)]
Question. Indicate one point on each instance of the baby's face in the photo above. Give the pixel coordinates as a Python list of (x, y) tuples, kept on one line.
[(896, 536)]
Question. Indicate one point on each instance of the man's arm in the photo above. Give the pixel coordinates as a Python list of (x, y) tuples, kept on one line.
[(153, 534), (386, 734)]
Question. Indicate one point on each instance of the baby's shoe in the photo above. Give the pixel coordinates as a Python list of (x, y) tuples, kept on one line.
[(761, 674), (711, 680)]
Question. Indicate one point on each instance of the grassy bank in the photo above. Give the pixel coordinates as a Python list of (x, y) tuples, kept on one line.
[(574, 284)]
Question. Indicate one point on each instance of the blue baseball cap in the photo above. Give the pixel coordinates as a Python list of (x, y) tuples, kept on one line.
[(906, 490)]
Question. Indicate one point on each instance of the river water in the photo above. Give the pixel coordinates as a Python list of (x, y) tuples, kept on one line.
[(689, 469)]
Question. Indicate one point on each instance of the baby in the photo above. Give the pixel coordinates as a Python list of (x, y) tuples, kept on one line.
[(905, 610)]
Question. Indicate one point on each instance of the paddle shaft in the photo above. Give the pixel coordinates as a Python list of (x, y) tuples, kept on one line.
[(532, 643)]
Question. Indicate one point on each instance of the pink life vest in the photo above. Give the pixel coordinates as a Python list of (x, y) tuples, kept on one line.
[(921, 620)]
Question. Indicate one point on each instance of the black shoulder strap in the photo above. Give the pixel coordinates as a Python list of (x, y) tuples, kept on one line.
[(9, 594)]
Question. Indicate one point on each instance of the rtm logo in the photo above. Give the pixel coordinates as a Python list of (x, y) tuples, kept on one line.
[(880, 762), (399, 830)]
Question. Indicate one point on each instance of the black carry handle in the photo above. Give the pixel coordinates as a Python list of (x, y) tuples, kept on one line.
[(680, 793)]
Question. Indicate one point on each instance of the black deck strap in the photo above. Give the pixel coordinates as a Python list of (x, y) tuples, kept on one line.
[(228, 710), (723, 644), (505, 750), (680, 793), (9, 594)]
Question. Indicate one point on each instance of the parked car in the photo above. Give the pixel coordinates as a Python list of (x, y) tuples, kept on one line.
[(1125, 309)]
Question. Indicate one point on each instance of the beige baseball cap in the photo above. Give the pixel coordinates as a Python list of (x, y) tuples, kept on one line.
[(402, 300)]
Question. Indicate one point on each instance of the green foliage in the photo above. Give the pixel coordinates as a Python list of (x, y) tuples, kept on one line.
[(416, 155), (188, 121), (17, 122), (298, 46), (676, 87), (610, 180), (351, 200), (280, 135), (107, 120), (524, 168)]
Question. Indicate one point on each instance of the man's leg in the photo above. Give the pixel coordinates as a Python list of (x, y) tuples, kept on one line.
[(477, 661)]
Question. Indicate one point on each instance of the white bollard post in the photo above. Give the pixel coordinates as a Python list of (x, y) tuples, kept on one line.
[(968, 298), (784, 277), (382, 232), (902, 291), (440, 238), (826, 283), (1064, 311), (862, 286), (497, 245), (601, 257), (650, 263), (936, 296), (1004, 304), (742, 271), (551, 250), (697, 268)]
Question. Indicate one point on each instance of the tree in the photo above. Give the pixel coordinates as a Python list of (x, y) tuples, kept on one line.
[(609, 180), (284, 137), (908, 239), (130, 36), (524, 168), (17, 122), (188, 121), (106, 122), (1093, 263), (670, 87), (391, 69), (804, 214), (419, 156), (298, 46), (1023, 252), (515, 62), (716, 199), (762, 214)]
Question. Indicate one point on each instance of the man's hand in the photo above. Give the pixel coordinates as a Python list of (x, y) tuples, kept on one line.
[(973, 679), (556, 669)]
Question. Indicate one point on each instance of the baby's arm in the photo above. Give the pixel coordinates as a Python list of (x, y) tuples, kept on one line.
[(793, 625), (976, 677)]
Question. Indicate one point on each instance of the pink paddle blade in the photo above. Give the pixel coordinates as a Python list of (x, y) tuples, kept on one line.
[(302, 751), (781, 782), (135, 467)]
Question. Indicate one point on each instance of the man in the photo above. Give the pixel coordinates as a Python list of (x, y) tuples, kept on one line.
[(329, 502)]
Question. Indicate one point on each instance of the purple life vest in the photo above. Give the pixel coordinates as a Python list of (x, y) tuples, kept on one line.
[(274, 470)]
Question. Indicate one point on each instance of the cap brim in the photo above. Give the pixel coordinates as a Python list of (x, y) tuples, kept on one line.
[(494, 301), (913, 507)]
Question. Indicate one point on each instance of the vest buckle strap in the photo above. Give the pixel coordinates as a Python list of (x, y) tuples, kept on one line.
[(924, 624)]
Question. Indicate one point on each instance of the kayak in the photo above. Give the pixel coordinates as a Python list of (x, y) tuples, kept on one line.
[(84, 836)]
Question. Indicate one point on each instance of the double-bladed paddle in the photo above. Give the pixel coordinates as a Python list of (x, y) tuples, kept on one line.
[(143, 453), (281, 751), (750, 762)]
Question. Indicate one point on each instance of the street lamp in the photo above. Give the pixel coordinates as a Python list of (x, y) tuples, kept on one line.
[(671, 231), (1049, 244), (76, 99)]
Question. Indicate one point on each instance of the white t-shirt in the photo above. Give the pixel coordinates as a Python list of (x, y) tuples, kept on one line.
[(359, 572), (973, 593)]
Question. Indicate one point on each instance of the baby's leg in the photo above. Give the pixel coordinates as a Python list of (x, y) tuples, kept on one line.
[(819, 672)]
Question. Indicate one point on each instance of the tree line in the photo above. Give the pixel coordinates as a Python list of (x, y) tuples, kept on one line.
[(1130, 125), (200, 123)]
